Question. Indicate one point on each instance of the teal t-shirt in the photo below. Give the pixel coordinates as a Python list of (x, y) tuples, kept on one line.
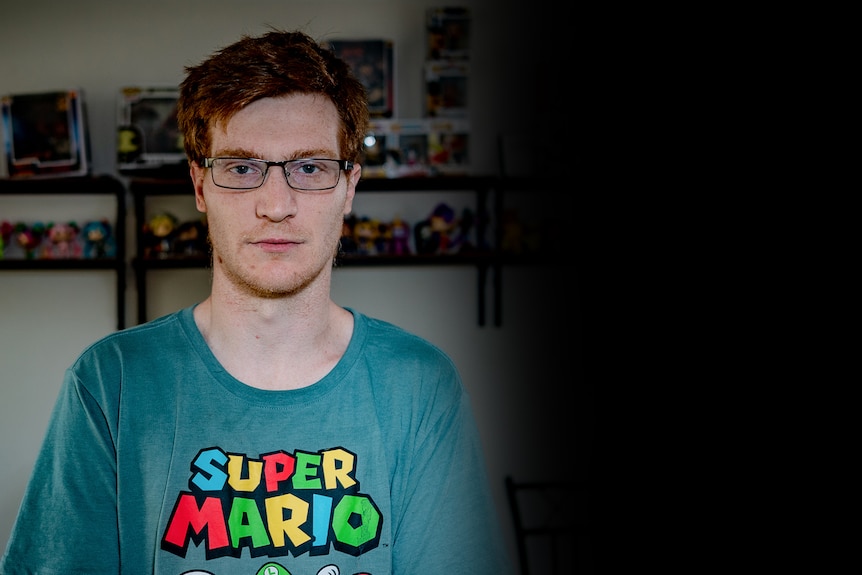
[(157, 460)]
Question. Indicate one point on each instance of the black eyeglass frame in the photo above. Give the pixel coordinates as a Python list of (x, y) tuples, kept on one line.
[(343, 165)]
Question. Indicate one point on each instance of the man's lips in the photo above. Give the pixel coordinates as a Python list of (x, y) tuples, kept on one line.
[(275, 244)]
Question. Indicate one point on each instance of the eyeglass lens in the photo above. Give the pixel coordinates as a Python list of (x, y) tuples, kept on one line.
[(305, 174)]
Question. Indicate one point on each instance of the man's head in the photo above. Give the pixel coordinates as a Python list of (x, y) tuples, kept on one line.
[(274, 226), (275, 64)]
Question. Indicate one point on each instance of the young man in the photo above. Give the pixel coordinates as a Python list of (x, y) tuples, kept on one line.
[(265, 430)]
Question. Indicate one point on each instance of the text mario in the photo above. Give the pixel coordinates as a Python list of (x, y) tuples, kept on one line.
[(275, 505)]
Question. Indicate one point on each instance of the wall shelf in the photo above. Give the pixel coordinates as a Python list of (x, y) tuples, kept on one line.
[(78, 185), (59, 264), (482, 260)]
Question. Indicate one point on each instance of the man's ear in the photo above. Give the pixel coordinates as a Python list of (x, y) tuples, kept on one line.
[(198, 174), (355, 174), (352, 181)]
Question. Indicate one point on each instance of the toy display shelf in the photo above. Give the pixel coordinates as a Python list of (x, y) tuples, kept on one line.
[(76, 185)]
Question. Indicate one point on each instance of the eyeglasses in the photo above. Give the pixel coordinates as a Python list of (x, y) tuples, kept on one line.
[(307, 174)]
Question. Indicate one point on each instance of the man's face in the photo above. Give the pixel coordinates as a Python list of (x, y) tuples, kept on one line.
[(274, 240)]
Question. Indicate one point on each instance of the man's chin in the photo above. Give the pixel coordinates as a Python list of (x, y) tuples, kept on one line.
[(274, 287)]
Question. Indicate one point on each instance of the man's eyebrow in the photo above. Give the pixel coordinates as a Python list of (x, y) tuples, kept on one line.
[(313, 153), (299, 154), (235, 153)]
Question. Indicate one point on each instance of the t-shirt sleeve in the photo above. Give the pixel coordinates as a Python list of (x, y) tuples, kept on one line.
[(76, 512), (448, 521)]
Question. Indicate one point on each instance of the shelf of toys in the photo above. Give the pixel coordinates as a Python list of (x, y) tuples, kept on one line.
[(37, 243)]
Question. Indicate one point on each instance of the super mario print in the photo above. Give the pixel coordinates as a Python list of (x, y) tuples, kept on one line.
[(279, 504)]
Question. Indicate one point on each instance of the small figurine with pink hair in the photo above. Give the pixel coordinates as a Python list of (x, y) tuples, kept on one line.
[(61, 241)]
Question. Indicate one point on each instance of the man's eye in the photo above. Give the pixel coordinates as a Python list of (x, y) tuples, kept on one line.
[(243, 169)]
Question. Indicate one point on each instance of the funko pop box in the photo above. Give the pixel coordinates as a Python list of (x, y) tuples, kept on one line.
[(148, 137), (45, 135)]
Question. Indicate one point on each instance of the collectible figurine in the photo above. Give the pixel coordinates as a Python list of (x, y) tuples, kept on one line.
[(348, 239), (62, 241), (422, 238), (399, 232), (29, 238), (98, 239), (190, 239), (461, 241), (442, 225), (365, 233), (158, 235), (383, 238), (432, 236), (6, 229)]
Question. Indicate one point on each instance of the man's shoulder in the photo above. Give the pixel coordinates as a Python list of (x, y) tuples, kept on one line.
[(158, 333), (386, 343), (383, 332)]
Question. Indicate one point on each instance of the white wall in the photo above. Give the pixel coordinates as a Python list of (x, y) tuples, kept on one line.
[(513, 372)]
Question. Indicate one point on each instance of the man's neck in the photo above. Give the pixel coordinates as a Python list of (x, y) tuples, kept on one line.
[(275, 343)]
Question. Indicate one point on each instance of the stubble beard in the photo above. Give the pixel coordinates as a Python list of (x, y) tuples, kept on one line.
[(246, 282)]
